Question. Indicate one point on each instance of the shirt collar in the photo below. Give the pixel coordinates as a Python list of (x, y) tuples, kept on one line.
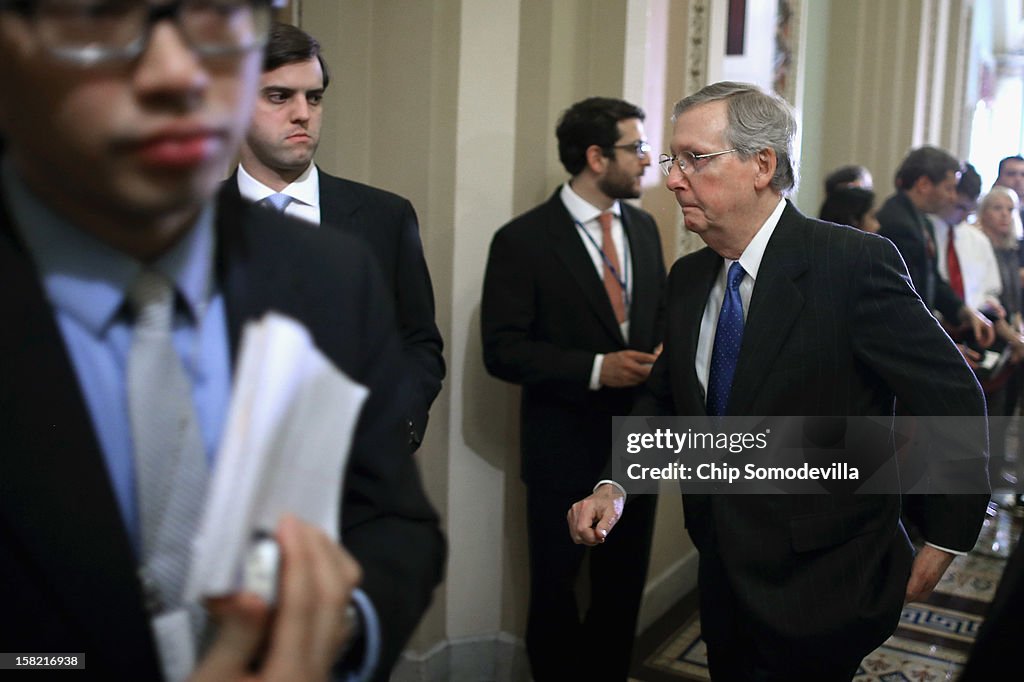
[(86, 278), (305, 189), (751, 258), (582, 210)]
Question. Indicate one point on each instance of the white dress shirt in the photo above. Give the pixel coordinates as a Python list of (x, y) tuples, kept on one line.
[(978, 265), (305, 205), (305, 193), (750, 260), (586, 216)]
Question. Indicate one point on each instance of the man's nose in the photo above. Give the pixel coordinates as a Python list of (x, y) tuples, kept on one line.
[(169, 67), (676, 179), (300, 109)]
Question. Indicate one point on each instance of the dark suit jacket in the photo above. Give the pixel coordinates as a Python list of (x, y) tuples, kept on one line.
[(544, 315), (902, 224), (834, 328), (67, 570), (387, 223), (997, 648)]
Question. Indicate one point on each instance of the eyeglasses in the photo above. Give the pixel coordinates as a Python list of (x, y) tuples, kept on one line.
[(89, 32), (686, 160), (641, 148)]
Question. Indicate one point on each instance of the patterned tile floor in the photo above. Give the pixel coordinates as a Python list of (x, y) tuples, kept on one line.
[(930, 644)]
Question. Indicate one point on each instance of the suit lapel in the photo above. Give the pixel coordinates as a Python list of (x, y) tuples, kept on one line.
[(252, 270), (338, 204), (234, 274), (689, 307), (229, 189), (57, 501), (568, 245), (774, 306)]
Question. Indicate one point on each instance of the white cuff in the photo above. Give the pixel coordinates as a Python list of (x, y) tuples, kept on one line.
[(611, 482), (595, 372), (371, 636), (948, 551)]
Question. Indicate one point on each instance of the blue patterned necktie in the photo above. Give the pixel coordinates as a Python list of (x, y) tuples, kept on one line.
[(276, 201), (728, 337)]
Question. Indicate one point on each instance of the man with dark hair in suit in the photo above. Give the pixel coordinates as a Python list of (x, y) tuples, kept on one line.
[(1011, 174), (997, 647), (926, 183), (786, 315), (120, 270), (571, 312), (277, 159), (969, 261)]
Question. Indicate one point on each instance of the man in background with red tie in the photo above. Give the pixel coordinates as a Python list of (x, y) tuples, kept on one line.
[(571, 312), (926, 182), (967, 261)]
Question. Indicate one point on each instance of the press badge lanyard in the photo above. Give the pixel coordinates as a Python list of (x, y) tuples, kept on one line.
[(615, 273)]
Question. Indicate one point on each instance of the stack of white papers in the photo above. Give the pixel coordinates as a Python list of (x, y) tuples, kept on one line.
[(284, 450)]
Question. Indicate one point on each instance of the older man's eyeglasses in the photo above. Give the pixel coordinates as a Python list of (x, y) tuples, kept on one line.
[(685, 160), (89, 32), (641, 148)]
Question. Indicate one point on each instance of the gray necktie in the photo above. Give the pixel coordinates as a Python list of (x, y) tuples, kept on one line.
[(277, 202), (170, 461)]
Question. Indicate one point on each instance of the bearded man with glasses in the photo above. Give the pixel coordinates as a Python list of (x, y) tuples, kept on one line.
[(127, 115), (571, 311)]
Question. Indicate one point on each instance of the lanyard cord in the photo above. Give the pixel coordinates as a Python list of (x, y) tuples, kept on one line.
[(615, 273)]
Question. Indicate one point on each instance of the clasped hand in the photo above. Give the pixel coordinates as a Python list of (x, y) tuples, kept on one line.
[(303, 637)]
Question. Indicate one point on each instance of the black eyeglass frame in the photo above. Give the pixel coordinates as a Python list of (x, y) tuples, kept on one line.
[(92, 54), (641, 148)]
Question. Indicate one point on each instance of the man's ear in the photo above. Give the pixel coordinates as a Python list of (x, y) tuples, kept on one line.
[(596, 159), (767, 162)]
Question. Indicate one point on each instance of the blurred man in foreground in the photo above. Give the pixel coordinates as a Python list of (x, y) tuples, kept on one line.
[(116, 261)]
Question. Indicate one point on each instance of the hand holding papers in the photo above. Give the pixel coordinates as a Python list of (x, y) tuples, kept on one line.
[(284, 449)]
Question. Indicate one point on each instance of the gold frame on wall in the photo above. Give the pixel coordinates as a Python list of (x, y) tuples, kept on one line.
[(698, 28), (787, 47)]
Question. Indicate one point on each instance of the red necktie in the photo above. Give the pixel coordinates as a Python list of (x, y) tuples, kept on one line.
[(611, 281), (956, 277)]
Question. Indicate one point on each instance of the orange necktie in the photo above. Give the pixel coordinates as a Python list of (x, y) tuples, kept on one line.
[(611, 281)]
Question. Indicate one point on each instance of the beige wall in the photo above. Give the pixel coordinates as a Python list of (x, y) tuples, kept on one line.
[(453, 104), (896, 80)]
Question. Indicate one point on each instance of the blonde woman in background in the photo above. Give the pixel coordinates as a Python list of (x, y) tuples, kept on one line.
[(999, 220)]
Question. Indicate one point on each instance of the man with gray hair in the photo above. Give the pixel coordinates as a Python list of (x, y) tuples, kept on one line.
[(786, 315)]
